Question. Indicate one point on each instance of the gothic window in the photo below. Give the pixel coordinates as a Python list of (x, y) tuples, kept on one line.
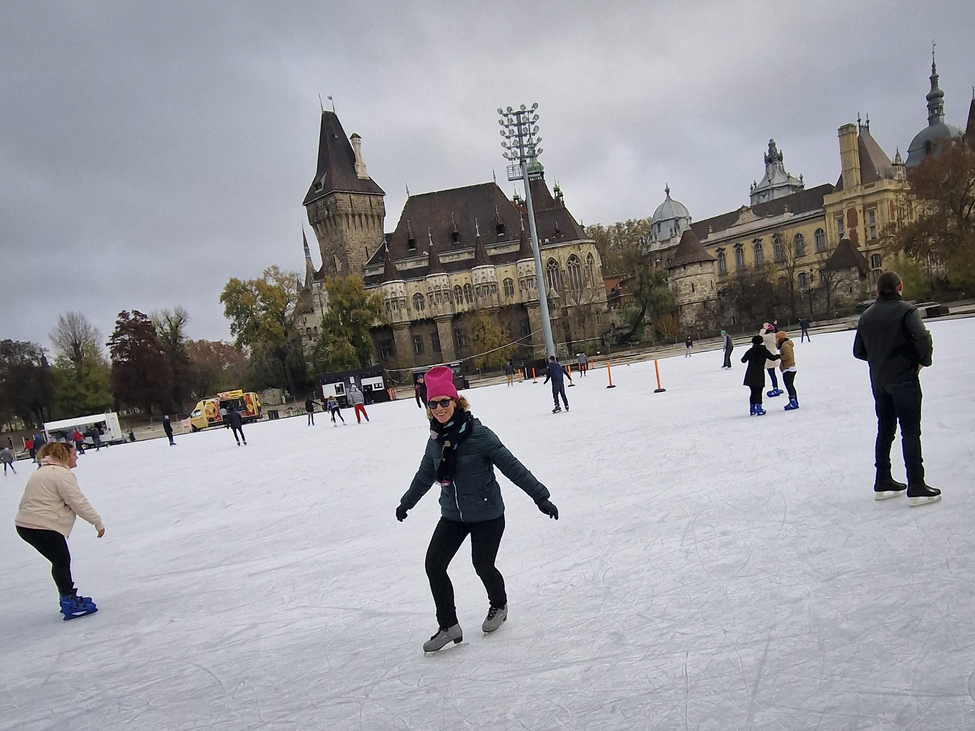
[(554, 276), (458, 295), (435, 342), (876, 274), (739, 258), (872, 223), (385, 350), (460, 338), (759, 255), (575, 273), (418, 302), (779, 250), (799, 245), (803, 280), (509, 287), (875, 261), (820, 241), (722, 262), (840, 230), (526, 328), (468, 293), (591, 270), (418, 344)]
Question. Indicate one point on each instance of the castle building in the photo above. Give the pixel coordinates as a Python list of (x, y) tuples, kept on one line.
[(454, 256), (777, 182)]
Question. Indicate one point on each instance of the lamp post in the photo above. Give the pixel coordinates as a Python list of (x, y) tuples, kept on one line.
[(518, 130)]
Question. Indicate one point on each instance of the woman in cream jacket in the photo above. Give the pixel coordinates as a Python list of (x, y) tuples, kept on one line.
[(51, 501)]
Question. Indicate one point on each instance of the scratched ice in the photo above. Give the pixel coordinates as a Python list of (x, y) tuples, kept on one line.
[(710, 570)]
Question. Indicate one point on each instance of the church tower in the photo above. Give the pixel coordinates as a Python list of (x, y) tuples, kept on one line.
[(345, 206)]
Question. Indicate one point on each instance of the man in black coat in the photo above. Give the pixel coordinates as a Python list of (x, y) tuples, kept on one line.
[(728, 344), (555, 371), (237, 424), (894, 341), (168, 428), (420, 392), (756, 357)]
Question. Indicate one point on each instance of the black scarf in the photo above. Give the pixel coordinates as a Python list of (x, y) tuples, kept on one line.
[(449, 436)]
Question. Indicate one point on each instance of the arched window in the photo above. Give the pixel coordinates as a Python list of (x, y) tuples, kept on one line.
[(458, 295), (554, 276), (799, 245), (574, 267), (418, 302), (722, 262), (468, 293), (739, 258), (876, 261), (759, 255), (509, 288), (820, 241), (803, 280), (591, 270), (779, 250)]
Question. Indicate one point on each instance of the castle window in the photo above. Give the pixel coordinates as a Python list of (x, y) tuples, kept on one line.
[(875, 261), (554, 276), (418, 302), (575, 273), (411, 244), (526, 328), (840, 230), (692, 287), (803, 280), (418, 344), (455, 237), (799, 245), (499, 229), (872, 223), (458, 295), (820, 241), (722, 262), (385, 350), (468, 293), (591, 270), (460, 338), (509, 287), (759, 253), (739, 258), (494, 288), (778, 249), (435, 342)]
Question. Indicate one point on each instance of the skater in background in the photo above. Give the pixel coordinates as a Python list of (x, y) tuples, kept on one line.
[(461, 455), (768, 336), (583, 360), (509, 373), (728, 345), (787, 364), (237, 424), (31, 450), (96, 438), (555, 371), (333, 409), (358, 403), (804, 330), (894, 341), (420, 392), (79, 441), (7, 457), (756, 357), (46, 516), (131, 436), (168, 428), (688, 344), (223, 417), (310, 410)]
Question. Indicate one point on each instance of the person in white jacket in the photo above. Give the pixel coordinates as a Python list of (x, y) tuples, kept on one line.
[(51, 501)]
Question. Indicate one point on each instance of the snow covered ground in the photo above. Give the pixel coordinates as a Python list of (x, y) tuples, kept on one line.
[(710, 570)]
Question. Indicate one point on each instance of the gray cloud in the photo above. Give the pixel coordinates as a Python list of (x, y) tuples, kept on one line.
[(150, 151)]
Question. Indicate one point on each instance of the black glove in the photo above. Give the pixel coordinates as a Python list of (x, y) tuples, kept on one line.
[(400, 513), (548, 508)]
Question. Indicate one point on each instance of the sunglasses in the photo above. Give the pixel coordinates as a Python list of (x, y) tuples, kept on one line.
[(442, 403)]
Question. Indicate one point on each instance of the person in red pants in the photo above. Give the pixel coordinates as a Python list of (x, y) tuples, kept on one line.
[(358, 402)]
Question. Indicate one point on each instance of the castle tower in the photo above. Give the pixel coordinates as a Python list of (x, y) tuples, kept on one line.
[(691, 274), (484, 275), (345, 206)]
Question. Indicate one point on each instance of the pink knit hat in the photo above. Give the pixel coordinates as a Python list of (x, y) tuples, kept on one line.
[(440, 382)]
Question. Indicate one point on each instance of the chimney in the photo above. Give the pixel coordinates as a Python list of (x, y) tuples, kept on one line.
[(360, 167), (849, 156)]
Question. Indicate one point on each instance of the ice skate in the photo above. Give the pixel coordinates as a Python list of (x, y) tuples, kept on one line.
[(557, 409), (759, 411), (494, 619), (773, 393), (922, 494), (751, 409), (73, 606), (444, 636), (792, 405), (885, 488)]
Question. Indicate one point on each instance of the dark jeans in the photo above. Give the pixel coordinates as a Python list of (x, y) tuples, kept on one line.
[(790, 378), (339, 413), (239, 430), (900, 402), (805, 336), (52, 546), (446, 540), (557, 390), (756, 396), (727, 359), (775, 381)]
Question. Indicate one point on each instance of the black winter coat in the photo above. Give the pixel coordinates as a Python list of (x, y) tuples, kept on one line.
[(892, 338), (755, 357), (233, 418)]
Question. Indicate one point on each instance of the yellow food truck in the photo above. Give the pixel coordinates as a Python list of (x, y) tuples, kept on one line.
[(207, 412)]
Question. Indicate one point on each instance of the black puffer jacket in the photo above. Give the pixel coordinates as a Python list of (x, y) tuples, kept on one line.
[(893, 340), (756, 358)]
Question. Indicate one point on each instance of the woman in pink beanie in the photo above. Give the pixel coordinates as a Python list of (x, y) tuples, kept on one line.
[(461, 455)]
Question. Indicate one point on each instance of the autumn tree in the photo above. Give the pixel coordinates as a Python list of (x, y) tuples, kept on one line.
[(171, 332), (26, 383), (139, 369), (344, 338), (617, 241), (264, 316), (491, 341), (649, 295), (214, 366), (81, 372)]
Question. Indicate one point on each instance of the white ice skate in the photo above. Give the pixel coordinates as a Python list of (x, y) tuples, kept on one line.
[(494, 619), (444, 636)]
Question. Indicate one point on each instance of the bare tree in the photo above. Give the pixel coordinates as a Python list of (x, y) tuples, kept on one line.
[(77, 340), (171, 332)]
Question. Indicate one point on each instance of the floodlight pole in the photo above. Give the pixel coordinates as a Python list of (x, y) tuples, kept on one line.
[(519, 145)]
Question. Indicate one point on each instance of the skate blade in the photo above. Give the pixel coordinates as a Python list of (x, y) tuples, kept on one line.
[(450, 644), (924, 500), (78, 616), (888, 494)]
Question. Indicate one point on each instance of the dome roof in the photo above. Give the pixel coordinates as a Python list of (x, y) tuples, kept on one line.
[(670, 219), (670, 209), (927, 140)]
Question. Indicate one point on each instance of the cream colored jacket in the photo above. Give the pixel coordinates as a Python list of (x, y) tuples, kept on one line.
[(52, 499)]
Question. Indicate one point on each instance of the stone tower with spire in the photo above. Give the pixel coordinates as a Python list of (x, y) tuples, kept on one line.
[(345, 206), (928, 140)]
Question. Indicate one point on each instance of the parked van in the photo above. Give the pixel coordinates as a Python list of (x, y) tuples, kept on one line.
[(107, 426), (206, 413)]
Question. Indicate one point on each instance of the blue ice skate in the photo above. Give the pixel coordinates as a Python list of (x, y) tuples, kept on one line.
[(759, 411), (73, 606), (773, 393), (751, 409), (792, 405)]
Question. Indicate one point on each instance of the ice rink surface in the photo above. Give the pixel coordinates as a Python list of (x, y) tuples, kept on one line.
[(710, 570)]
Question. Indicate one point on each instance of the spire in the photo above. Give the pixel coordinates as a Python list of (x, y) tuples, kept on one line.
[(524, 245), (390, 273), (304, 242), (667, 190), (433, 261), (309, 265), (480, 253), (935, 97)]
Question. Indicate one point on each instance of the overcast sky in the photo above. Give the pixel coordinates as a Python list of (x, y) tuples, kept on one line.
[(149, 151)]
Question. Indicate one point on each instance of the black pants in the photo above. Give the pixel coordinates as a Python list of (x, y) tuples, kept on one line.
[(900, 402), (336, 411), (790, 378), (169, 436), (557, 390), (756, 395), (805, 336), (727, 359), (239, 430), (446, 540), (775, 381), (52, 546), (311, 418)]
